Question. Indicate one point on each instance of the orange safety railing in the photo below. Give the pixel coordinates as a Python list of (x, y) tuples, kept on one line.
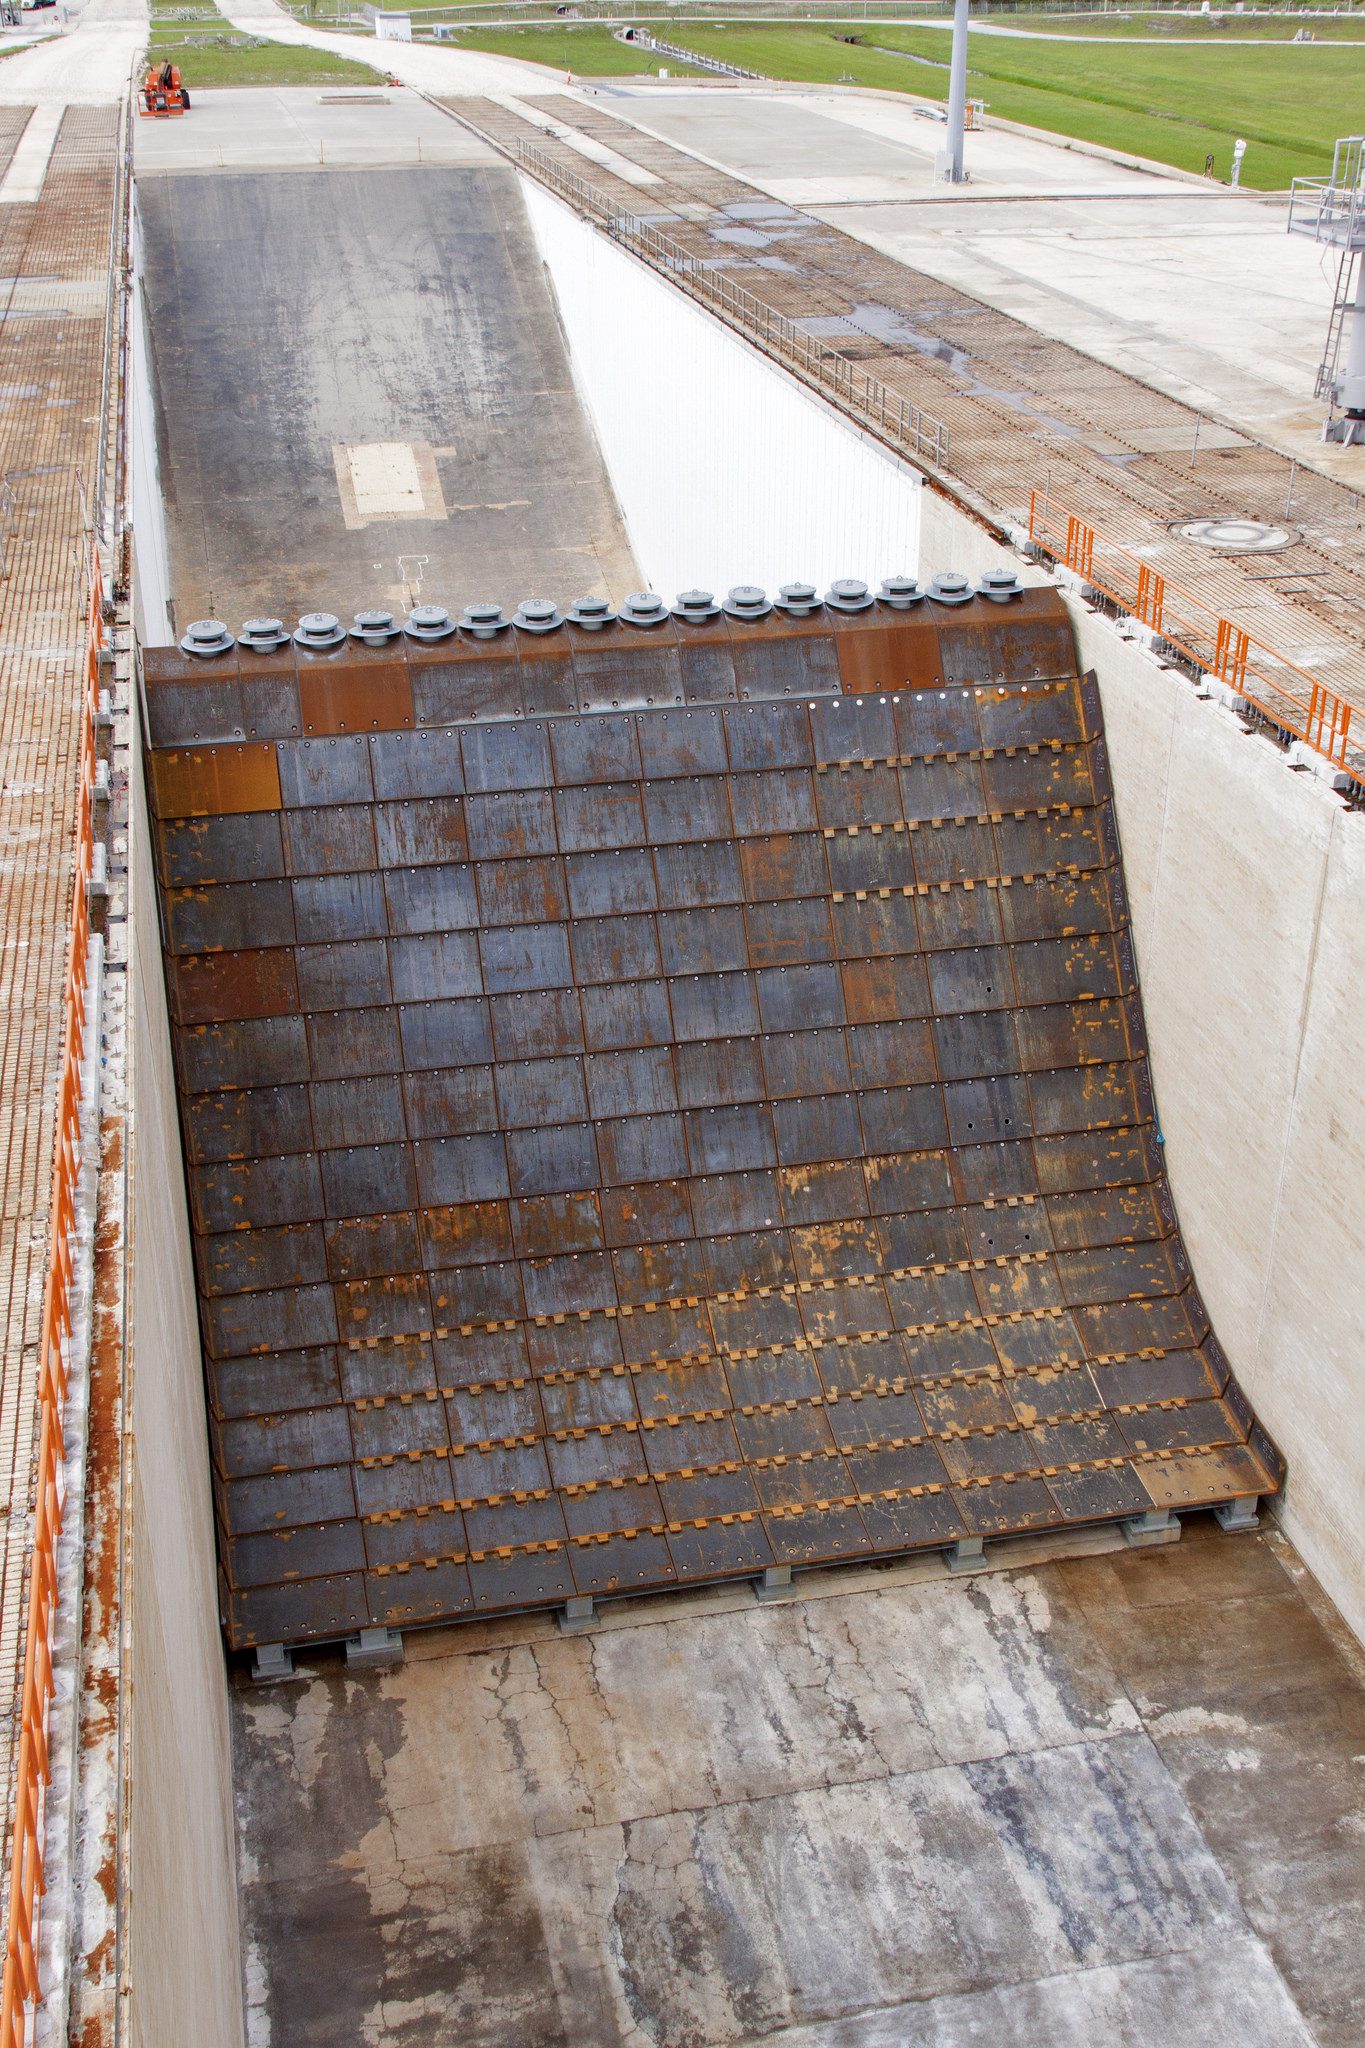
[(1288, 696), (21, 1989)]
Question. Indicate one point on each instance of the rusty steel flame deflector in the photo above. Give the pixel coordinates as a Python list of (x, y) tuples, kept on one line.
[(662, 1102)]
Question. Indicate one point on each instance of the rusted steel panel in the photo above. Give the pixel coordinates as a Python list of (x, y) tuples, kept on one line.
[(267, 1052), (533, 1092), (287, 1500), (339, 907), (510, 824), (1072, 1034), (408, 765), (594, 749), (347, 1042), (523, 1579), (1006, 1507), (789, 933), (1032, 637), (334, 771), (244, 848), (486, 1295), (944, 787), (1029, 778), (768, 736), (1032, 845), (233, 915), (908, 1180), (783, 656), (269, 1383), (190, 698), (773, 800), (703, 941), (786, 864), (644, 1211), (903, 1119), (460, 678), (814, 1194), (431, 899), (936, 719), (599, 817), (550, 1224), (806, 1063), (245, 1261), (357, 689), (405, 1599), (889, 653), (525, 1025), (621, 666), (749, 1258), (958, 849), (442, 1101), (248, 1123), (1091, 1097), (436, 964), (551, 1160), (682, 743), (713, 1072), (1004, 1229), (790, 997), (606, 884), (367, 1247), (448, 1033), (349, 975), (660, 1272), (279, 1556), (1122, 1272), (521, 891), (330, 840), (469, 1168), (207, 782), (630, 1082), (614, 949), (894, 1054), (525, 956), (358, 1111), (418, 832), (295, 1611), (929, 1237), (632, 1147), (256, 1192), (870, 860), (854, 729), (862, 794), (1029, 713), (285, 1319), (1112, 1216), (688, 808), (363, 1180), (976, 1043), (1061, 970), (730, 1140), (506, 757), (626, 1014), (710, 1006), (398, 1304), (878, 925), (815, 1128)]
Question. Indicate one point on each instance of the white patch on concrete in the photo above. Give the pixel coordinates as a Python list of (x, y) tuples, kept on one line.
[(1195, 1721), (734, 472), (381, 480)]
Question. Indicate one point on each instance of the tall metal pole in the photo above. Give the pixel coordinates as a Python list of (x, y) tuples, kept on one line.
[(957, 94)]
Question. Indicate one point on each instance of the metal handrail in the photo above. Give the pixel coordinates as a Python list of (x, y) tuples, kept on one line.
[(21, 1988), (892, 417), (1289, 697)]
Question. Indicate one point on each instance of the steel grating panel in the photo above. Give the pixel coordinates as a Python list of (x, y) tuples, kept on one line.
[(645, 1145)]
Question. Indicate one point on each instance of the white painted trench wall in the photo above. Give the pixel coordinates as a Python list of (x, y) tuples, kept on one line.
[(726, 469)]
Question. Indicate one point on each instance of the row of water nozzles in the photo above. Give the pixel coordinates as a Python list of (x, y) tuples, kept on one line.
[(323, 632)]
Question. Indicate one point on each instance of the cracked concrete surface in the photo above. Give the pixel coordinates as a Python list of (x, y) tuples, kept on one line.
[(1112, 1801)]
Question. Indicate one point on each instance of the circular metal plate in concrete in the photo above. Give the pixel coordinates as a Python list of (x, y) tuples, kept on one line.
[(1236, 536)]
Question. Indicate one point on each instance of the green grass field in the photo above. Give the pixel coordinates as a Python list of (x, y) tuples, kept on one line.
[(1174, 105), (586, 48)]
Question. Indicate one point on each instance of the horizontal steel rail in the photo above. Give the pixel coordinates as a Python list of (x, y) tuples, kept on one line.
[(894, 419)]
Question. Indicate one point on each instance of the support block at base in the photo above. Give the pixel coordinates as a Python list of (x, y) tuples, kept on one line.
[(1233, 1515), (775, 1584), (271, 1660), (374, 1649), (968, 1554), (1158, 1525), (579, 1612)]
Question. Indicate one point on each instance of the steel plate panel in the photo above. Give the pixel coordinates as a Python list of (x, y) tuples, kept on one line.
[(769, 736), (817, 1532), (600, 817), (598, 749), (1060, 970), (265, 1051), (256, 1192), (1094, 1159), (834, 1314), (228, 987), (346, 1042), (892, 1054), (789, 933), (184, 702), (1179, 1376), (326, 842), (730, 1140), (959, 918), (350, 975), (404, 1367), (637, 1081), (930, 1299), (1008, 1454), (773, 800), (363, 1180), (367, 1247), (853, 728), (870, 860), (924, 1238), (324, 772), (682, 743), (246, 848), (393, 1429), (595, 1457), (682, 1443), (975, 978), (817, 1128), (1027, 779), (545, 1224), (1051, 1394), (243, 1261), (525, 956), (946, 787), (696, 807), (546, 681), (816, 1194), (784, 657), (711, 1073), (436, 964), (1026, 714), (908, 1180), (1072, 1034), (213, 781), (249, 1123), (1172, 1324), (632, 1148), (1005, 1229), (937, 721), (807, 1063), (708, 1006), (406, 765), (404, 1485), (614, 949), (479, 1415), (993, 1172), (1031, 845), (880, 989), (977, 1043), (903, 1119), (1077, 1442), (444, 1101), (736, 1201), (478, 1294), (523, 1579), (953, 850), (339, 907), (788, 1432), (1200, 1425), (431, 899), (1099, 1496), (791, 998), (965, 646), (357, 689), (510, 824), (620, 1564), (575, 1283), (526, 1026), (645, 1212), (1213, 1477), (501, 757), (888, 650), (269, 1384), (279, 1556), (287, 1499), (1016, 1288), (468, 1168), (783, 1378), (896, 1465), (858, 796), (625, 667), (1110, 1216), (455, 679), (702, 941), (287, 1319), (293, 1612), (606, 884), (490, 1470), (426, 832), (910, 1523), (270, 694), (465, 1234), (534, 1092), (407, 1598), (1091, 1097), (699, 875), (719, 1547), (660, 1272), (453, 1033), (551, 1161), (521, 891), (1006, 1506), (654, 1335), (1032, 642), (630, 1013), (751, 1258)]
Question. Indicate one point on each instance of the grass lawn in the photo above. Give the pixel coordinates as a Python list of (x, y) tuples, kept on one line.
[(585, 48), (1173, 105), (205, 61)]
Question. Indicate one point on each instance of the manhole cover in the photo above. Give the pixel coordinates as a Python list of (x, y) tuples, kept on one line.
[(1236, 536)]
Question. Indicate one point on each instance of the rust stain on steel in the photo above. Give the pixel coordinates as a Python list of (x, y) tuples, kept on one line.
[(645, 1145), (210, 781)]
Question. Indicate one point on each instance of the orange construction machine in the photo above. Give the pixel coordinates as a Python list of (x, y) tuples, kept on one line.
[(163, 91)]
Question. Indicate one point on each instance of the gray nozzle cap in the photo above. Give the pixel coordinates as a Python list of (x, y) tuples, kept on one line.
[(374, 628), (697, 605), (849, 595), (644, 608), (319, 630), (484, 620), (207, 636), (900, 592), (747, 601), (948, 587), (537, 615), (265, 635), (592, 613), (1001, 585), (799, 599), (428, 622)]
